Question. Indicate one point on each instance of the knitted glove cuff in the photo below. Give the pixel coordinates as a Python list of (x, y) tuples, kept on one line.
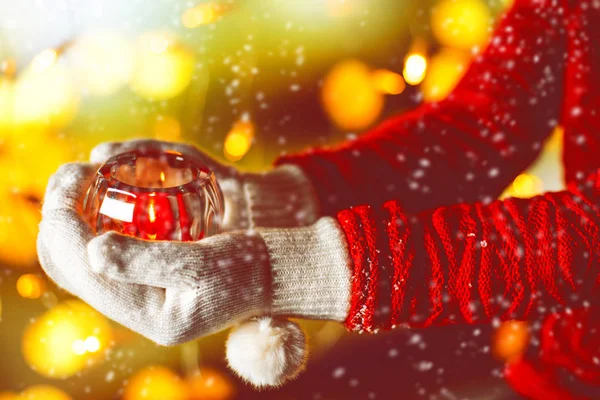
[(310, 270), (283, 197)]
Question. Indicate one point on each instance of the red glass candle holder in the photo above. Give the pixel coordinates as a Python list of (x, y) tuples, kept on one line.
[(156, 195)]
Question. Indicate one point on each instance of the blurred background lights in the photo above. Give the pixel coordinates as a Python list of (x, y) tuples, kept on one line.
[(210, 384), (20, 152), (6, 102), (445, 70), (45, 93), (90, 345), (102, 62), (31, 286), (340, 8), (239, 140), (19, 219), (163, 66), (44, 60), (167, 128), (350, 96), (527, 185), (415, 68), (155, 383), (202, 14), (461, 24), (510, 340), (37, 392), (388, 82), (66, 339)]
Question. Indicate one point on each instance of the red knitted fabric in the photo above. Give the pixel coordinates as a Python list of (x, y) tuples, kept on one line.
[(569, 348), (471, 263), (468, 147), (582, 101)]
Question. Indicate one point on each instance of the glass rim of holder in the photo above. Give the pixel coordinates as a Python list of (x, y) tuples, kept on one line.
[(193, 178), (108, 170)]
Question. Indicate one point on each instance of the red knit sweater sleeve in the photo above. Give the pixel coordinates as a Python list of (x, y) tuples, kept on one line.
[(469, 146), (471, 263)]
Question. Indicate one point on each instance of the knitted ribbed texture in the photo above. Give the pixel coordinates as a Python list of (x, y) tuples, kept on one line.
[(468, 147), (470, 263), (311, 271), (282, 198)]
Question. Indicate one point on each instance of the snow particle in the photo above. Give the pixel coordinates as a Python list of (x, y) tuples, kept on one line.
[(339, 372)]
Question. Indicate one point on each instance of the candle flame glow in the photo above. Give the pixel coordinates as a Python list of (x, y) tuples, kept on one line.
[(151, 212), (415, 69)]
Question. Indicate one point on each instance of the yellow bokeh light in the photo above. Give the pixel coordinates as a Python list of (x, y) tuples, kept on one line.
[(415, 68), (444, 72), (510, 340), (461, 24), (350, 97), (102, 62), (167, 128), (236, 145), (340, 8), (19, 221), (66, 339), (31, 286), (43, 392), (210, 384), (163, 67), (388, 82), (24, 150), (8, 67), (78, 347), (45, 94), (202, 14), (22, 191), (6, 105), (527, 185), (155, 383), (239, 140), (44, 60), (92, 344)]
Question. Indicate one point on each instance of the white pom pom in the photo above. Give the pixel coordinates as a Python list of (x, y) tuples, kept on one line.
[(267, 351)]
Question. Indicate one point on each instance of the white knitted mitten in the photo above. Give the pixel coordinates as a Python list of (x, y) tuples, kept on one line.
[(283, 197), (172, 292)]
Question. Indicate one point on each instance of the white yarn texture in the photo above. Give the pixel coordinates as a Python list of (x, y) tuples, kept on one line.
[(267, 351)]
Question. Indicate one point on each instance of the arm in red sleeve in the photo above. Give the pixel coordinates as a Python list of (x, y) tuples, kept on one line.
[(468, 147), (471, 263), (581, 117)]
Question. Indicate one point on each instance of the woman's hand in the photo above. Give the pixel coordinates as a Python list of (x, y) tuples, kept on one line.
[(282, 197), (172, 292)]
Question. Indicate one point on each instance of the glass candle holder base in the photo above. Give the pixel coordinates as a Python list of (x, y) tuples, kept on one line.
[(155, 195)]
